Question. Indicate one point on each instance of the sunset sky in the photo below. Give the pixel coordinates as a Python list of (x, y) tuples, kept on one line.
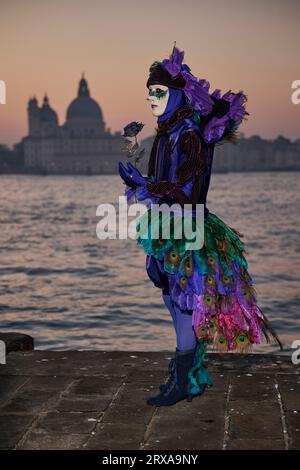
[(239, 45)]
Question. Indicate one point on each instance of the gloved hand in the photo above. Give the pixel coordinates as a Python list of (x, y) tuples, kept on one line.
[(131, 175), (136, 184), (126, 175)]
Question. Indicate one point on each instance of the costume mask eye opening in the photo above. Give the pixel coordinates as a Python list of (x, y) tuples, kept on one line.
[(158, 93)]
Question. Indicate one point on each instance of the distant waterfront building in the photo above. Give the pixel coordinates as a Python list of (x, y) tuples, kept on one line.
[(257, 154), (82, 145), (248, 154)]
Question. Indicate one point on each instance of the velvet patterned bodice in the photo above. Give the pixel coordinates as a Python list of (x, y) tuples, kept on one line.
[(180, 161)]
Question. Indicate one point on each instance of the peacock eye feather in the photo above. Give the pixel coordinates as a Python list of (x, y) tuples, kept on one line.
[(208, 300), (248, 296), (201, 331), (173, 256), (222, 342), (188, 267), (242, 340), (182, 282), (221, 244), (210, 280)]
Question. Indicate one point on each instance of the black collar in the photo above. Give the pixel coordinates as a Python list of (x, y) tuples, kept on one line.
[(181, 113)]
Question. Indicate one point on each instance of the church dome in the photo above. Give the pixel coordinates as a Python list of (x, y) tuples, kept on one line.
[(84, 107)]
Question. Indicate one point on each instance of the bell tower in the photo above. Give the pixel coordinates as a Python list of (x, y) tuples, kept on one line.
[(33, 117)]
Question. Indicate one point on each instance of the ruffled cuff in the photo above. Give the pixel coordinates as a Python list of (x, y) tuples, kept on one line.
[(129, 194), (198, 377), (140, 194)]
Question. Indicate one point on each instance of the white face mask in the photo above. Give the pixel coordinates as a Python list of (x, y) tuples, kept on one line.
[(158, 96)]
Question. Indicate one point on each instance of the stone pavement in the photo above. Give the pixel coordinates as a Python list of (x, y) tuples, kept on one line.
[(96, 400)]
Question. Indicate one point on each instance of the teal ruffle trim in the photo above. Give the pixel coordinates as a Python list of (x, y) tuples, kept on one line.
[(198, 376)]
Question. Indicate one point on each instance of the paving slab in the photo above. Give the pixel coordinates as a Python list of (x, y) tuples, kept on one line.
[(97, 400)]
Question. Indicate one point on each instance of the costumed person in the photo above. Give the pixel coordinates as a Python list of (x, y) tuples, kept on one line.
[(208, 291)]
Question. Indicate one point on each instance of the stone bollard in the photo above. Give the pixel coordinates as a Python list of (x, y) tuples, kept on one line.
[(14, 342)]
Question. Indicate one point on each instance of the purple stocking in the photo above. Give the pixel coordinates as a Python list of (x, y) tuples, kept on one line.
[(185, 335)]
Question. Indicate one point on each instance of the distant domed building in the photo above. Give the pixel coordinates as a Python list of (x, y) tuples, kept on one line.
[(82, 145)]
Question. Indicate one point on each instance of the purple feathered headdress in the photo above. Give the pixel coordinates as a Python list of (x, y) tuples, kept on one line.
[(195, 89), (224, 113)]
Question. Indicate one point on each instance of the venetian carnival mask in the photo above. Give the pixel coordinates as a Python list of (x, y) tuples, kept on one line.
[(158, 96)]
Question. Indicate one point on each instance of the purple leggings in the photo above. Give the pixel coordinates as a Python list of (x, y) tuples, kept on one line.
[(185, 335)]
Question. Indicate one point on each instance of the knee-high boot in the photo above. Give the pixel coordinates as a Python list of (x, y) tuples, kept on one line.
[(177, 388), (188, 377)]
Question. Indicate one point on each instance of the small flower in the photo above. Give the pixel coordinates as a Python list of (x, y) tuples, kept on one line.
[(132, 129), (131, 146)]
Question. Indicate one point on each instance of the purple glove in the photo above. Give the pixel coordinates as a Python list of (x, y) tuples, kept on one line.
[(131, 175), (126, 176), (136, 184)]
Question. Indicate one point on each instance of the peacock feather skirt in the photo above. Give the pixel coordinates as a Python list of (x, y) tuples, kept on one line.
[(211, 283)]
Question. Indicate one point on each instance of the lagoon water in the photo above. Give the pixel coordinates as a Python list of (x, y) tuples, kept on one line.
[(70, 290)]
